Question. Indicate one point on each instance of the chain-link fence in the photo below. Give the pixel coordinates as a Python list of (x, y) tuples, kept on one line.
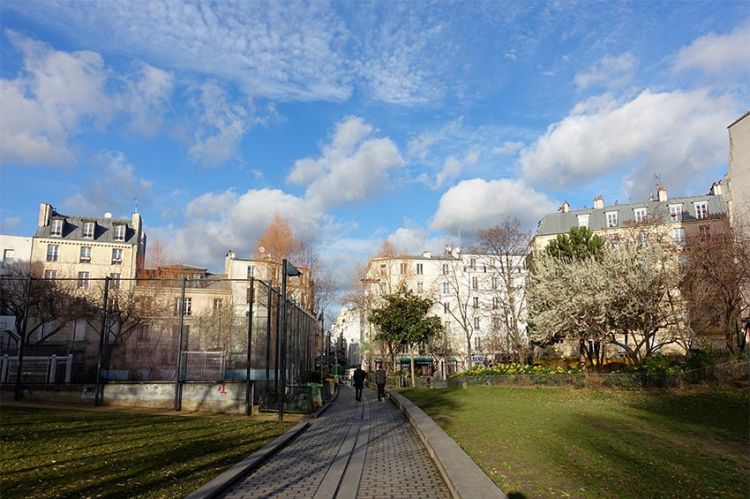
[(162, 330)]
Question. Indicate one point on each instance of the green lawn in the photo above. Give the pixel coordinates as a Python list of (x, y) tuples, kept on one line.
[(558, 442), (54, 453)]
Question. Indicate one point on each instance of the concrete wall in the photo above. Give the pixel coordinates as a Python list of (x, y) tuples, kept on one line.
[(17, 247), (210, 397), (738, 176)]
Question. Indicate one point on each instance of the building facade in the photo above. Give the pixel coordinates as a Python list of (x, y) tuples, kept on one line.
[(15, 253), (738, 174), (483, 321), (87, 247)]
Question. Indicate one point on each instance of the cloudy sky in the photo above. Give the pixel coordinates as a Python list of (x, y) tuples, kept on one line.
[(358, 121)]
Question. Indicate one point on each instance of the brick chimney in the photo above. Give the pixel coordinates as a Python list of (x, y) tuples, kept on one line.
[(598, 202), (45, 212), (717, 189), (661, 194)]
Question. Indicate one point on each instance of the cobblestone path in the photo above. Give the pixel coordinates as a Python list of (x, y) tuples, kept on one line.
[(354, 450)]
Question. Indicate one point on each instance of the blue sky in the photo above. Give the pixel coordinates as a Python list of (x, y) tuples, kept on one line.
[(359, 121)]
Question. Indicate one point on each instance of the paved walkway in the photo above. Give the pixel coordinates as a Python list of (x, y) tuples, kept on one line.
[(354, 450)]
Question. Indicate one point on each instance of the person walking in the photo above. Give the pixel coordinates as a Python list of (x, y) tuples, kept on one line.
[(380, 379), (359, 382)]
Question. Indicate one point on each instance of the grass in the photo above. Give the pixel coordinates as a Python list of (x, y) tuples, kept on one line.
[(59, 453), (559, 442)]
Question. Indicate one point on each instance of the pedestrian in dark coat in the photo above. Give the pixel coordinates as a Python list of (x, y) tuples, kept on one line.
[(359, 377)]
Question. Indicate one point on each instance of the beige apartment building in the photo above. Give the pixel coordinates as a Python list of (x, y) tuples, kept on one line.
[(87, 247)]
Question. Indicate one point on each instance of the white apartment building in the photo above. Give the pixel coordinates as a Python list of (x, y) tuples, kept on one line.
[(349, 326), (470, 296), (15, 252)]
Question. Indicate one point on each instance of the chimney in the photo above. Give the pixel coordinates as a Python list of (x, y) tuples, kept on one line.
[(427, 254), (661, 194), (564, 208), (598, 202), (45, 211), (717, 189), (228, 262)]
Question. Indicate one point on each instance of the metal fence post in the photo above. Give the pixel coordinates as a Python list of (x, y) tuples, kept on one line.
[(269, 312), (248, 385), (98, 395), (18, 392), (282, 340), (178, 376)]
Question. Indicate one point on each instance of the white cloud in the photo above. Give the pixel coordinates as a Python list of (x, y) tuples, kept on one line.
[(718, 54), (674, 134), (220, 125), (115, 188), (59, 94), (477, 203), (229, 220), (353, 166), (509, 147), (611, 71)]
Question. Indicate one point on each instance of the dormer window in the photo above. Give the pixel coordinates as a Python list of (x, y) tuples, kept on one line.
[(701, 210), (120, 232), (88, 230), (583, 221), (640, 214), (57, 227), (611, 219)]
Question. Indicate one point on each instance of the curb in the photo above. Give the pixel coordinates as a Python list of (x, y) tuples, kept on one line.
[(464, 477), (247, 465)]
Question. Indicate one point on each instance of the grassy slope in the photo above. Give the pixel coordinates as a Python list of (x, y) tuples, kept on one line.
[(48, 453), (545, 442)]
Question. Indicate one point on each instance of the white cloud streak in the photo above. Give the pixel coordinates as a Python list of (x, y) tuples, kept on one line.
[(610, 71), (718, 54)]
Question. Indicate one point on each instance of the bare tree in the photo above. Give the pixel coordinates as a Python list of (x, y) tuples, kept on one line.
[(459, 289), (278, 241), (505, 246)]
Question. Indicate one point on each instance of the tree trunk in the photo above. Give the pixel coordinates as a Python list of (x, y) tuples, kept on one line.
[(413, 378)]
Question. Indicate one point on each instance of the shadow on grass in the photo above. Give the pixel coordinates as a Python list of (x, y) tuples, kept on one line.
[(434, 401)]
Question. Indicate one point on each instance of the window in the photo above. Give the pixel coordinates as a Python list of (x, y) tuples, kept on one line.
[(8, 256), (476, 302), (116, 255), (675, 212), (495, 302), (611, 219), (403, 268), (701, 210), (218, 303), (473, 263), (85, 254), (446, 308), (57, 227), (445, 269), (583, 221), (447, 326), (477, 343), (88, 230), (83, 279), (494, 283), (640, 214), (679, 235), (120, 232), (476, 323), (446, 288), (250, 271), (143, 333), (475, 283), (53, 252), (114, 280), (188, 310), (705, 231), (420, 269), (420, 287), (50, 274), (642, 238), (79, 330), (484, 268)]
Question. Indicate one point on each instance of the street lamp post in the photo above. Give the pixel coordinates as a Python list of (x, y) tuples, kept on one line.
[(287, 270)]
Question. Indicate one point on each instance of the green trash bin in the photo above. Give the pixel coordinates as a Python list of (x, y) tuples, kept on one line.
[(317, 395)]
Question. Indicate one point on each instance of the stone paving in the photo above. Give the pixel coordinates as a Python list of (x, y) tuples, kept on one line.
[(365, 450)]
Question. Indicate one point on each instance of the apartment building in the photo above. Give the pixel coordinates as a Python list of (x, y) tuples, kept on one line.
[(738, 175), (470, 297), (87, 247), (15, 252), (680, 218)]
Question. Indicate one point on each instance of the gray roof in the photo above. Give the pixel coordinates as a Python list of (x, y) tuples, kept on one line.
[(560, 223), (103, 230)]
